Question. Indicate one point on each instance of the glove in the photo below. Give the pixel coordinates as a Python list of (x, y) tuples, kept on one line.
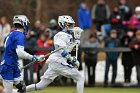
[(39, 58), (74, 61)]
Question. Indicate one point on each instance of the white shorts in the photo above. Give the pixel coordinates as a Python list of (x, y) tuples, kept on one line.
[(55, 69)]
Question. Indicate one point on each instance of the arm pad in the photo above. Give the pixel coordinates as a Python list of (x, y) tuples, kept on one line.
[(65, 54), (22, 54)]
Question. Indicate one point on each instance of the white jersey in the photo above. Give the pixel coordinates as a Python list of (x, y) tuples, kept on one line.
[(62, 40)]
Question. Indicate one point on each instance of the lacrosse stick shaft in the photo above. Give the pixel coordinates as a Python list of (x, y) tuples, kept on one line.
[(44, 56), (76, 51), (53, 52)]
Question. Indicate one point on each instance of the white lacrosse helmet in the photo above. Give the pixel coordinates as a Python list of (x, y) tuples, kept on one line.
[(22, 20), (66, 22)]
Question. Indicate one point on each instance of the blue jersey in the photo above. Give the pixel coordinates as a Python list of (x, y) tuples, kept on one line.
[(11, 42)]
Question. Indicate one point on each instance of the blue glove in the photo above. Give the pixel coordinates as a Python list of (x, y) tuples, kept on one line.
[(34, 58)]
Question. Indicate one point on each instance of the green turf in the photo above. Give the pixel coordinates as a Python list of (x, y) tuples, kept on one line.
[(88, 90)]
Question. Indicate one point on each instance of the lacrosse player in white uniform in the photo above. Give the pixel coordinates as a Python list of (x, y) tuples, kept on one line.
[(57, 62)]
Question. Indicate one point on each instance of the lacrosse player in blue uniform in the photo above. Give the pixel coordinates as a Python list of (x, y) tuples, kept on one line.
[(14, 49)]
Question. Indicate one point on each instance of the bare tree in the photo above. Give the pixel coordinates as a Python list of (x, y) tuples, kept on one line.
[(46, 9), (38, 9)]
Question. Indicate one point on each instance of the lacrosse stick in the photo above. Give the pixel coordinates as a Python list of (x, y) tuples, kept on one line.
[(44, 56), (77, 34)]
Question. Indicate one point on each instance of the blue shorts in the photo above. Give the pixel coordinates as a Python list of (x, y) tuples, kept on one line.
[(9, 72)]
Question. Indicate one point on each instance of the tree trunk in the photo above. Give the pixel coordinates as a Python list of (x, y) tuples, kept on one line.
[(38, 9)]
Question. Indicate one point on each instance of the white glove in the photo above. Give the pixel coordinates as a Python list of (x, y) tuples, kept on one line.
[(77, 64), (74, 61), (39, 58)]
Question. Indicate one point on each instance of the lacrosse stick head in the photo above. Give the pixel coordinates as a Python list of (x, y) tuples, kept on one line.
[(77, 32)]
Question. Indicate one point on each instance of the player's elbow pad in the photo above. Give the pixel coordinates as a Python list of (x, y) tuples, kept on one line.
[(22, 54), (64, 53)]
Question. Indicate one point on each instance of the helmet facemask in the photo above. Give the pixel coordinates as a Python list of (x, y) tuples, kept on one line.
[(69, 26), (66, 22)]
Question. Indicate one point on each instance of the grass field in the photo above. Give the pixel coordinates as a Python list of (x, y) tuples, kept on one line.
[(88, 90)]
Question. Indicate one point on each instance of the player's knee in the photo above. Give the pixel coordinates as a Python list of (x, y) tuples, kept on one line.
[(42, 84), (40, 87)]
